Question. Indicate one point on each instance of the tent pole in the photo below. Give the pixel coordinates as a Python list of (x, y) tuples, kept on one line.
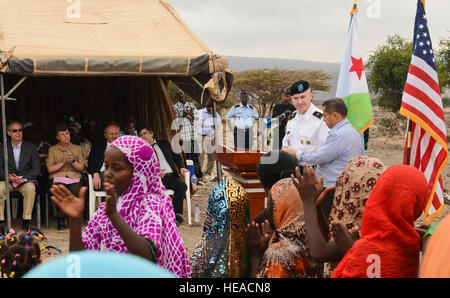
[(5, 153), (216, 138)]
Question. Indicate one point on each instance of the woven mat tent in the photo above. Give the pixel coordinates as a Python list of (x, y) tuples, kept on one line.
[(101, 59)]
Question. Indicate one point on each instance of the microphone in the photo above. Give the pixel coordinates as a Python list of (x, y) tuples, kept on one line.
[(285, 114)]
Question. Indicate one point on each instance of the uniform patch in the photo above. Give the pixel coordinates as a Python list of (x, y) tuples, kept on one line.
[(318, 114)]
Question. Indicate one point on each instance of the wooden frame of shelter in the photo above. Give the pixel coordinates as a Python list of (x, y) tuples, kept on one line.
[(112, 56)]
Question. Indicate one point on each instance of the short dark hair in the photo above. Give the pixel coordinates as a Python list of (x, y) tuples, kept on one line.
[(111, 124), (147, 127), (61, 126), (14, 122), (335, 105), (269, 174)]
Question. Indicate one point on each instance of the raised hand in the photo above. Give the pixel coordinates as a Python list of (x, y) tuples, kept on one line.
[(323, 195), (343, 237), (255, 240), (267, 233), (70, 205), (307, 185), (111, 199)]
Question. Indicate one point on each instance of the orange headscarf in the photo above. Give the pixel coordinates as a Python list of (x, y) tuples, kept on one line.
[(389, 245), (436, 262), (287, 204), (287, 255)]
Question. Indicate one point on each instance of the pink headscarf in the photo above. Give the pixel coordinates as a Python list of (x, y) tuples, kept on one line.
[(146, 208)]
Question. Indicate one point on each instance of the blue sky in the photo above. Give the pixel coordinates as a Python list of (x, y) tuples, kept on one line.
[(304, 29)]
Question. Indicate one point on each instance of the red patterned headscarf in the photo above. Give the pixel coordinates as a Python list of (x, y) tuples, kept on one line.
[(389, 246)]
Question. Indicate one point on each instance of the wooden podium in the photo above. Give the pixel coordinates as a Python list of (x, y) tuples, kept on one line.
[(241, 165)]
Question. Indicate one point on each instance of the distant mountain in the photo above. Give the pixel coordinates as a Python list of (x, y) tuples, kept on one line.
[(238, 64)]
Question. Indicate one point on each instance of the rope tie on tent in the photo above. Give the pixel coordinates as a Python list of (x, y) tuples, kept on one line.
[(4, 57)]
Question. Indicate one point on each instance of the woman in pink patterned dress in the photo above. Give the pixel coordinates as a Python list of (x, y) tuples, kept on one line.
[(137, 216)]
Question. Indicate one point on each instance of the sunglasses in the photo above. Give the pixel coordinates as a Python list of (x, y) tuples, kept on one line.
[(16, 130)]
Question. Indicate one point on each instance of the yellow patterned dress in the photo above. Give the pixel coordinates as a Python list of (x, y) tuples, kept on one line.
[(222, 251)]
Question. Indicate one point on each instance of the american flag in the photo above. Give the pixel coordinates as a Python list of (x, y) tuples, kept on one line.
[(422, 104)]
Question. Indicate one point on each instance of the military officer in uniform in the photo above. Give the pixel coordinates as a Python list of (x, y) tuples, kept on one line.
[(305, 131), (279, 109), (244, 116)]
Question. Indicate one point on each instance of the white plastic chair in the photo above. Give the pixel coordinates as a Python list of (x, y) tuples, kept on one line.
[(94, 196)]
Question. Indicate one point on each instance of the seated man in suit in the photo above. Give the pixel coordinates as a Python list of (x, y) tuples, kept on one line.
[(24, 168), (96, 162), (172, 166)]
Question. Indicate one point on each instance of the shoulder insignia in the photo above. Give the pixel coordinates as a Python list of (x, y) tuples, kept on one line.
[(250, 106), (318, 114), (236, 106)]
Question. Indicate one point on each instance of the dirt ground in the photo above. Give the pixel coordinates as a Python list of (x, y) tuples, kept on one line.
[(383, 143)]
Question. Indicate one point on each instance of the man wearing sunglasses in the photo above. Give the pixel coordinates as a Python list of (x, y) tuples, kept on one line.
[(24, 168)]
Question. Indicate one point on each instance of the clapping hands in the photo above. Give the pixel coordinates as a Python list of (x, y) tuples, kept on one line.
[(258, 237), (343, 237), (111, 199), (309, 187), (70, 205)]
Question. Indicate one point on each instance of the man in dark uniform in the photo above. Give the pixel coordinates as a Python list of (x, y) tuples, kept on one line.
[(279, 109)]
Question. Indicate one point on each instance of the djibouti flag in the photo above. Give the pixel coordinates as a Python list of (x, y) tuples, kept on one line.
[(352, 84)]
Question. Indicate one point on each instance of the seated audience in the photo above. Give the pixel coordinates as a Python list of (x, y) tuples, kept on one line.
[(129, 128), (77, 138), (23, 170), (172, 168), (96, 161), (65, 165), (33, 134)]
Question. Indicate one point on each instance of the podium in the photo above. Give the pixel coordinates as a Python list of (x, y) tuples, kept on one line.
[(241, 164)]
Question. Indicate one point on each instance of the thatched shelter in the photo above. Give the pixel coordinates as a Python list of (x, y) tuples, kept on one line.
[(101, 60)]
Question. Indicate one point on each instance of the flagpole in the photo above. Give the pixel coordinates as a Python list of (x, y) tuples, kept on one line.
[(408, 142), (354, 8), (409, 131)]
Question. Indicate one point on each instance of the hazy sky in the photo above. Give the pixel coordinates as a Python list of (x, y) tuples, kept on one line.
[(304, 29)]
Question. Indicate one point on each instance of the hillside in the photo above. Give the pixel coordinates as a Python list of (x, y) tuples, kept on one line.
[(246, 63)]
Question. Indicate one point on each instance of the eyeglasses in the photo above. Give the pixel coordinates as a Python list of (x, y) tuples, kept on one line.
[(16, 130)]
